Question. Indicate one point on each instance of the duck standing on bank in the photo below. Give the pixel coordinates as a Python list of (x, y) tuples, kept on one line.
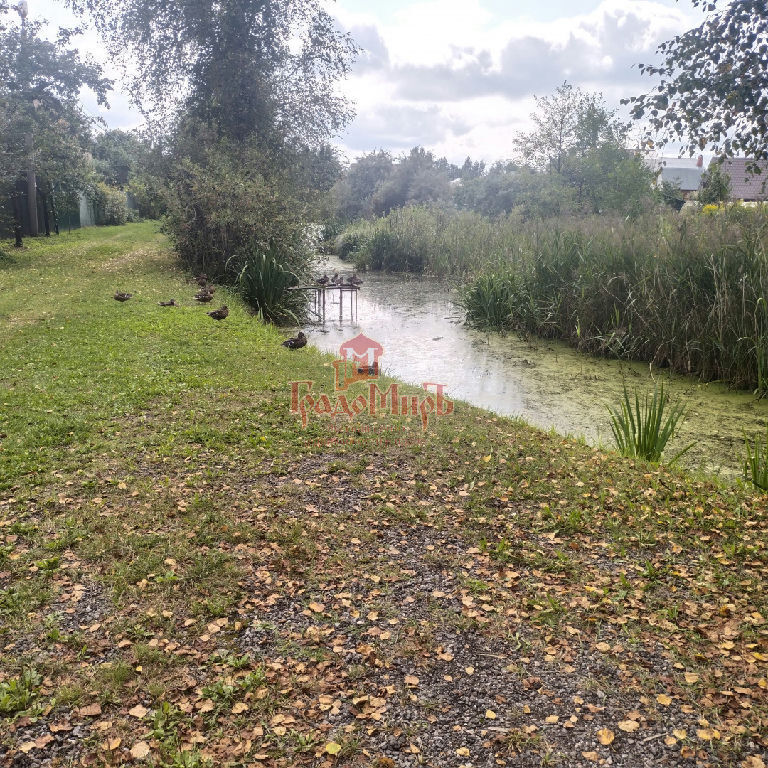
[(120, 296), (323, 280), (297, 342)]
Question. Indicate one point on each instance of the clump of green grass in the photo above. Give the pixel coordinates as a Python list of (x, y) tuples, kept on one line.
[(643, 432), (756, 464), (264, 284), (18, 693), (489, 301)]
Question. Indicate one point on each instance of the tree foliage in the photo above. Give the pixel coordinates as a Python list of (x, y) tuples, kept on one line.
[(265, 68), (42, 120), (713, 87)]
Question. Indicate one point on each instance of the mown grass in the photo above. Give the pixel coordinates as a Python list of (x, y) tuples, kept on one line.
[(159, 502)]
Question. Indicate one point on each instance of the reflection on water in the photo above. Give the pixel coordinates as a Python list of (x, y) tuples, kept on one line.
[(546, 383)]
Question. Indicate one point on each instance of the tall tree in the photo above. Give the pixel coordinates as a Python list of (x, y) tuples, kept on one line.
[(714, 82), (264, 68), (40, 111), (565, 121)]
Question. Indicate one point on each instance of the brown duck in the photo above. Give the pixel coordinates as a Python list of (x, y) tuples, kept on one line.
[(297, 342), (171, 303), (204, 297), (120, 296), (219, 314), (202, 280)]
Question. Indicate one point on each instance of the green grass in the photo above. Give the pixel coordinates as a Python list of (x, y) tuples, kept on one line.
[(756, 464), (645, 431), (170, 533)]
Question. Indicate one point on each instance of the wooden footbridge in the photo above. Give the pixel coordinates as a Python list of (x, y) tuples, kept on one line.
[(317, 295)]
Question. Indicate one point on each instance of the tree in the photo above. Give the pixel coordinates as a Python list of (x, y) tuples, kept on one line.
[(354, 191), (715, 186), (569, 120), (40, 112), (243, 91), (581, 142), (714, 82), (266, 69), (418, 177)]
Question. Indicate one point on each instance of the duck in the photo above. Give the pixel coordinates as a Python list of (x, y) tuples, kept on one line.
[(120, 296), (297, 342), (323, 280), (219, 314), (203, 297), (171, 303), (335, 279), (202, 279), (354, 279)]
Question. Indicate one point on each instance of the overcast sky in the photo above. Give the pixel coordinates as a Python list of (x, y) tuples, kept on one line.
[(459, 76)]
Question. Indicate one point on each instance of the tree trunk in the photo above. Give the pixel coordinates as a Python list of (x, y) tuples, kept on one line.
[(17, 222), (46, 221), (53, 209)]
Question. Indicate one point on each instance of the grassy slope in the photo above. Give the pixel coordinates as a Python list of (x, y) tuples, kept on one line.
[(172, 541)]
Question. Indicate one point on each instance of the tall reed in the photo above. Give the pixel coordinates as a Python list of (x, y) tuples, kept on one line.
[(687, 292)]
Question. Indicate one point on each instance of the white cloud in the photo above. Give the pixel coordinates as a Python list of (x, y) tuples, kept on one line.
[(444, 60)]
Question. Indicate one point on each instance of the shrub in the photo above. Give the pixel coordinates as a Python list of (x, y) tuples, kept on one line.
[(109, 204), (756, 464), (264, 283), (644, 432), (222, 206)]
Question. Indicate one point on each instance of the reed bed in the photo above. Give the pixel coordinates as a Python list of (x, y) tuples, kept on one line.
[(686, 292)]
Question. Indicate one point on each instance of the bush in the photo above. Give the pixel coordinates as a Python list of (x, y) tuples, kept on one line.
[(109, 204), (222, 209), (264, 283), (353, 239), (756, 464), (149, 195), (644, 432)]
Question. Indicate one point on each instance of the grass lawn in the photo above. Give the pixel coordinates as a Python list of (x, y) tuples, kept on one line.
[(189, 578)]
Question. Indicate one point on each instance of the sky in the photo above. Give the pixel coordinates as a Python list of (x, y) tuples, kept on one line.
[(459, 77)]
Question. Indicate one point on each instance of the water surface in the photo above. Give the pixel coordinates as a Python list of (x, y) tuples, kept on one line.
[(546, 383)]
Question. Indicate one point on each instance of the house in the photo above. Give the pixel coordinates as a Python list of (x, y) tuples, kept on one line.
[(747, 185), (684, 172)]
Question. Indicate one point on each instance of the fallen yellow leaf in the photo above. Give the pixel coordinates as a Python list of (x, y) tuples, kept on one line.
[(591, 756), (490, 714), (606, 736), (664, 700), (332, 748), (138, 711), (629, 726), (462, 752), (691, 678), (140, 750)]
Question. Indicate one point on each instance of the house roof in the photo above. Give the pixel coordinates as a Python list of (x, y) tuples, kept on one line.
[(688, 179), (744, 184)]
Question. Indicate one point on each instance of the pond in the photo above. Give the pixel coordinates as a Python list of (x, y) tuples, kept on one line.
[(550, 385)]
